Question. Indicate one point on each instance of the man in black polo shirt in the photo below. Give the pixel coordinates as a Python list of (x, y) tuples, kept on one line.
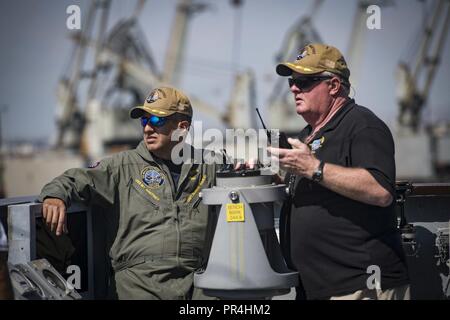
[(341, 233)]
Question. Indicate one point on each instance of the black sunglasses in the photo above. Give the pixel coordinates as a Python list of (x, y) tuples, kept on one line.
[(306, 83)]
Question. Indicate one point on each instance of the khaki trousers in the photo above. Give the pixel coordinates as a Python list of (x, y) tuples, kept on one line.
[(398, 293)]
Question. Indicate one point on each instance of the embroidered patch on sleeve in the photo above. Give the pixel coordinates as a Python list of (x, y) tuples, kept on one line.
[(94, 165)]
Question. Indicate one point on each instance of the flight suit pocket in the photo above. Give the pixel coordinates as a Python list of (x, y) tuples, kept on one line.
[(145, 219), (199, 225), (141, 197)]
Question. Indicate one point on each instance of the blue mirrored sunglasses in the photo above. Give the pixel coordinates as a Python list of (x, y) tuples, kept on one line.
[(154, 121)]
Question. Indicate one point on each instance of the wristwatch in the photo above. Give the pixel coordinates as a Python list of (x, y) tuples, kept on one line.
[(318, 173)]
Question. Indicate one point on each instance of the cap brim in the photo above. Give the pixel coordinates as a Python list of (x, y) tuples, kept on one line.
[(139, 111), (283, 70), (286, 69)]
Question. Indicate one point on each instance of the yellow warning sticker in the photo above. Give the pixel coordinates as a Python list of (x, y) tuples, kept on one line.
[(235, 212)]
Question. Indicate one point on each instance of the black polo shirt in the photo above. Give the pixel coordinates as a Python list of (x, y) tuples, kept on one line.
[(333, 239)]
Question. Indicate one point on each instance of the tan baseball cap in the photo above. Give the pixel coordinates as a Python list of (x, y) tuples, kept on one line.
[(316, 58), (164, 102)]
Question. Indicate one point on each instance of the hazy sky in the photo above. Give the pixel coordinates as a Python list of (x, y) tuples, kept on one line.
[(35, 49)]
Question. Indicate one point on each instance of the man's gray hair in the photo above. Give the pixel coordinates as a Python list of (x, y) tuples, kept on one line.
[(345, 83)]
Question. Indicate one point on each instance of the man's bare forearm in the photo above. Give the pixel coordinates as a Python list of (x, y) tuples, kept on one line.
[(355, 183)]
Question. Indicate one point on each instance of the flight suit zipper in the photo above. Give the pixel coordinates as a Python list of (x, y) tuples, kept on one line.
[(177, 227)]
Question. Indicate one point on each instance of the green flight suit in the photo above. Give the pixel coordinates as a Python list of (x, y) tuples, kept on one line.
[(162, 234)]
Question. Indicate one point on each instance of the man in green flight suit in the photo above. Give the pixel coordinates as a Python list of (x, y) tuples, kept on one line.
[(161, 227)]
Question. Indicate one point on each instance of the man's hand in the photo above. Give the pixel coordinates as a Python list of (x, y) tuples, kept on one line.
[(54, 214), (299, 160), (246, 165)]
